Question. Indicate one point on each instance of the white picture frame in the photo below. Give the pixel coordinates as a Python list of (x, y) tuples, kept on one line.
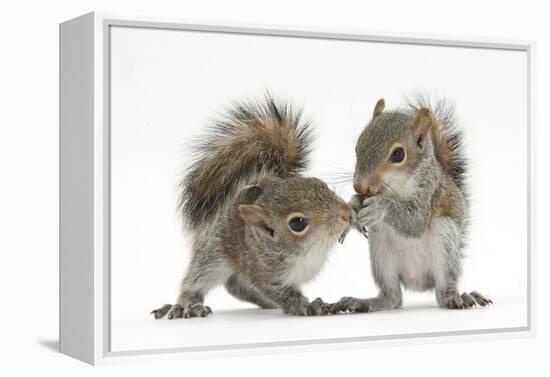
[(85, 152)]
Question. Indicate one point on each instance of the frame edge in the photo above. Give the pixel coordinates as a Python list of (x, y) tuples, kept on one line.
[(76, 196), (100, 352)]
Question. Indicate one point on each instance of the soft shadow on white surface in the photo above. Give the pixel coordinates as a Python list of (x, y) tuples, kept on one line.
[(51, 344), (251, 325)]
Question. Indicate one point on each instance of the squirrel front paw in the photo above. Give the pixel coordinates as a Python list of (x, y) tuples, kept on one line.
[(356, 204), (318, 307), (372, 212), (350, 305), (314, 308)]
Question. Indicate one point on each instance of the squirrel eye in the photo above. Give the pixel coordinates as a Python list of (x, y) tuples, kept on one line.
[(397, 155), (298, 224)]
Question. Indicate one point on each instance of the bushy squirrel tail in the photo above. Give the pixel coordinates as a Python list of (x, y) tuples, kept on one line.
[(252, 140), (449, 138)]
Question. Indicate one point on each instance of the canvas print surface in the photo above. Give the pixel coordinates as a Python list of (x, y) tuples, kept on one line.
[(283, 189)]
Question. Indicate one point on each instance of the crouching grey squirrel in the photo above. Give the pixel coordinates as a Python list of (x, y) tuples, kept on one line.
[(412, 199), (259, 227)]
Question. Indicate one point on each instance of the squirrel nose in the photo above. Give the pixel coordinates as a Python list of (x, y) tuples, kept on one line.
[(365, 190), (345, 213), (360, 187)]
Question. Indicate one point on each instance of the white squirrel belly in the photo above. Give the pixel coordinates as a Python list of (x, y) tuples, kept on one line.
[(417, 261), (307, 266)]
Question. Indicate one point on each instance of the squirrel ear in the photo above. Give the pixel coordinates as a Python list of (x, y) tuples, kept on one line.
[(422, 124), (266, 181), (256, 216), (378, 108)]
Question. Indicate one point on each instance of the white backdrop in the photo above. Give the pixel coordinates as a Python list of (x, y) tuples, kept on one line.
[(29, 190), (167, 84)]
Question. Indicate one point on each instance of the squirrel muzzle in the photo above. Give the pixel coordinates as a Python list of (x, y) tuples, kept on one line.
[(364, 189)]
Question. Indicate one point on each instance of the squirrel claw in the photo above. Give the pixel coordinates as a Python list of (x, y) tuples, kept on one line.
[(182, 311), (161, 312), (343, 236), (480, 299)]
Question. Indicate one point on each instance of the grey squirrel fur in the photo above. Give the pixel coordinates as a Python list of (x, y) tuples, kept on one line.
[(238, 200), (415, 210)]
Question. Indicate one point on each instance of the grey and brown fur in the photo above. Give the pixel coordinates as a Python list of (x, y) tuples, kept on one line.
[(416, 212), (236, 200)]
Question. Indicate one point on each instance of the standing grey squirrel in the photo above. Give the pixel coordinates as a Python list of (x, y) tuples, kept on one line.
[(412, 199), (258, 227)]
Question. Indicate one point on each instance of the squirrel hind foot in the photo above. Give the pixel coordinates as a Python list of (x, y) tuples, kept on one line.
[(480, 299), (467, 300), (162, 311), (182, 311)]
